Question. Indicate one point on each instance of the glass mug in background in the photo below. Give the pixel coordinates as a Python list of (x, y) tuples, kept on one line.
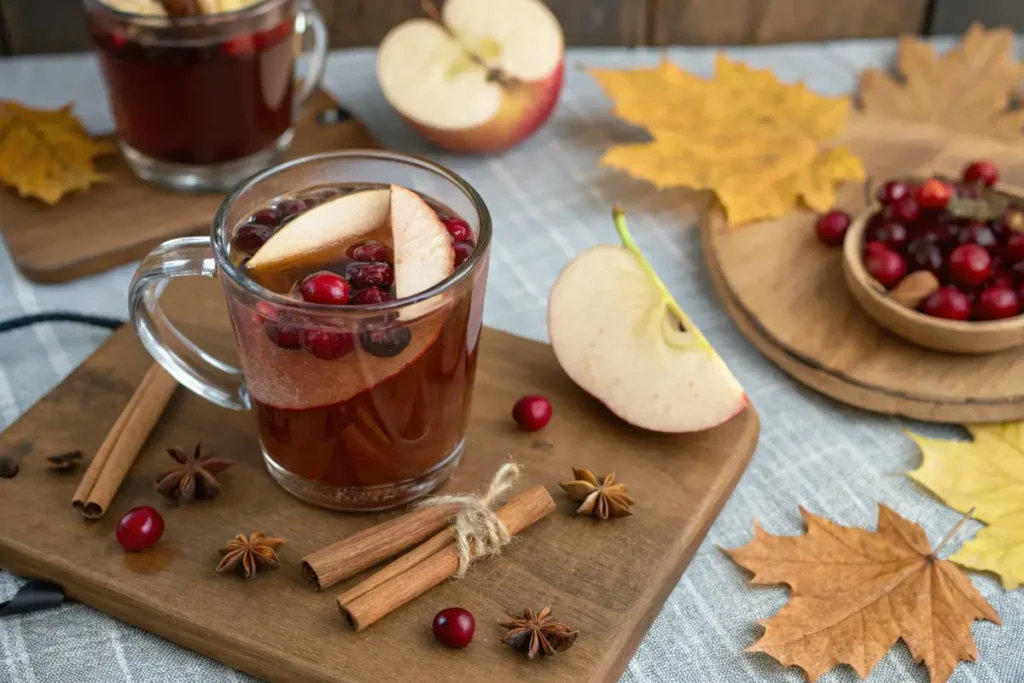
[(201, 103), (360, 432)]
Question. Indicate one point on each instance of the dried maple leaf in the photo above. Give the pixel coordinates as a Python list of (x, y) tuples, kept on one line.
[(855, 592), (756, 142), (986, 474), (969, 89), (46, 154)]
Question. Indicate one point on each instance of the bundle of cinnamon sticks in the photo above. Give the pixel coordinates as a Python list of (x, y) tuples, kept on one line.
[(433, 560)]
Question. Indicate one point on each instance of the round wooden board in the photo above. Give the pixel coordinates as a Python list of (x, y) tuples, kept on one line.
[(785, 292)]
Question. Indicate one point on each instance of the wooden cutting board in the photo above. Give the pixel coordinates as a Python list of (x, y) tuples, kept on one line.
[(121, 220), (608, 579), (785, 292)]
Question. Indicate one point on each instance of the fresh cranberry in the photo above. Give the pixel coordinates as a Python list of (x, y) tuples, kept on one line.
[(984, 172), (923, 254), (288, 209), (978, 233), (242, 45), (371, 295), (327, 288), (454, 627), (904, 210), (1001, 278), (831, 227), (942, 234), (268, 217), (118, 40), (893, 235), (363, 275), (933, 194), (996, 303), (283, 335), (251, 236), (385, 341), (328, 345), (969, 265), (886, 266), (947, 302), (462, 252), (891, 191), (1015, 247), (139, 529), (872, 246), (457, 228), (370, 252), (531, 412)]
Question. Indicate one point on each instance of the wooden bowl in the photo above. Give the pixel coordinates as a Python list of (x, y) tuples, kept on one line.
[(956, 336)]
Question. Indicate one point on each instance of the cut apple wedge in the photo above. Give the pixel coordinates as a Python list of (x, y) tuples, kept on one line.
[(321, 234), (423, 249), (479, 77), (619, 334)]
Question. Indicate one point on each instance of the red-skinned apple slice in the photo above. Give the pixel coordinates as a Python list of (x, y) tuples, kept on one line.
[(478, 78), (321, 234), (423, 250), (619, 334)]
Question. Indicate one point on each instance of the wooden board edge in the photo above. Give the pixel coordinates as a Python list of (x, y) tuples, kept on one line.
[(671, 571), (833, 384)]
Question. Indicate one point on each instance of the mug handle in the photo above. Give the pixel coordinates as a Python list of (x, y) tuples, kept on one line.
[(204, 374), (309, 18)]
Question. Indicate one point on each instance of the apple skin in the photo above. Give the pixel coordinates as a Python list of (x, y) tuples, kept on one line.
[(524, 109)]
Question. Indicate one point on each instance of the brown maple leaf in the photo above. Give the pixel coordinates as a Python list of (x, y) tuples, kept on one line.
[(46, 154), (856, 592), (969, 89)]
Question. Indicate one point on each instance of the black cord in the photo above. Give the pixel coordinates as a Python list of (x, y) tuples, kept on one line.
[(60, 317)]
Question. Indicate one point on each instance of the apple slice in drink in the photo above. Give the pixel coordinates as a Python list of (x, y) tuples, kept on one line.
[(619, 334)]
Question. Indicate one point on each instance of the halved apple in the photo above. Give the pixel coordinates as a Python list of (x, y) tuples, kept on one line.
[(619, 334), (322, 234), (479, 77)]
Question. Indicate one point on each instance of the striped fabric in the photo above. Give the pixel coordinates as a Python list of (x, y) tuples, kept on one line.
[(550, 200)]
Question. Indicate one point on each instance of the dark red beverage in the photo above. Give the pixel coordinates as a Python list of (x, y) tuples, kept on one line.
[(200, 96), (368, 400)]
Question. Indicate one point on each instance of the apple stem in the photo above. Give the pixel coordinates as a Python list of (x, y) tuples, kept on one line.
[(952, 532), (619, 218)]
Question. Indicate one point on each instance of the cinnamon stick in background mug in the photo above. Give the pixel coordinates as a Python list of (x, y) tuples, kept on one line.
[(119, 450)]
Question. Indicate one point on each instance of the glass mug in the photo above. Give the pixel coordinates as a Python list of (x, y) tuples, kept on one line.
[(361, 432), (201, 103)]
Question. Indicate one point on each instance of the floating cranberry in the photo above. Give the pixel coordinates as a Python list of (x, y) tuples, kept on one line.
[(925, 255), (947, 302), (454, 627), (531, 412), (251, 236), (371, 295), (457, 228), (893, 235), (978, 233), (327, 345), (139, 529), (996, 303), (831, 227), (369, 252), (462, 252), (969, 265), (1015, 247), (984, 172), (891, 191), (288, 209), (385, 342), (886, 266), (268, 217), (363, 275), (933, 194), (326, 288), (283, 335), (904, 210)]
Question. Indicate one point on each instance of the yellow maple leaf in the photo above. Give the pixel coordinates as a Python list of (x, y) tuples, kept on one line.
[(969, 89), (46, 154), (986, 474), (754, 141)]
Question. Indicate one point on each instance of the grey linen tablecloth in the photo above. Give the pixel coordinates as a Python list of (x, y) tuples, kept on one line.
[(549, 200)]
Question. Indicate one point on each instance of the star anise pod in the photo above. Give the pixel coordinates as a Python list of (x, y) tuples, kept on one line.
[(65, 462), (602, 499), (251, 554), (194, 478), (538, 634)]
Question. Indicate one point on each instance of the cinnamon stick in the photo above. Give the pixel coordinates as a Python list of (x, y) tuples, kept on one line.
[(351, 555), (437, 542), (520, 512), (119, 450)]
